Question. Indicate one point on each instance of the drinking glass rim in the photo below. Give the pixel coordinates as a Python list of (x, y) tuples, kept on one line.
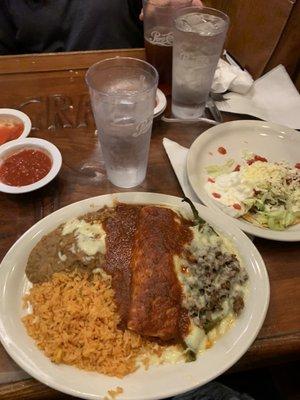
[(123, 94), (226, 17)]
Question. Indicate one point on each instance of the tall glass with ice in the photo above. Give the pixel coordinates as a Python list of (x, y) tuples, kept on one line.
[(158, 34), (123, 92), (199, 35)]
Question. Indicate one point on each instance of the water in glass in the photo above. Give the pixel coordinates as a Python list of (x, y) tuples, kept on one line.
[(198, 42), (122, 94)]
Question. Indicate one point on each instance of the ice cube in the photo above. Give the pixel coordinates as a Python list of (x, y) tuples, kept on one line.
[(204, 24)]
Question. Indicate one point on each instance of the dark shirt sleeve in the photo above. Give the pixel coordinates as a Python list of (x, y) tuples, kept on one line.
[(36, 26), (7, 31), (213, 391)]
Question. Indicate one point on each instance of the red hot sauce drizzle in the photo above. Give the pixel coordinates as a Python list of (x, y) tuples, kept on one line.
[(256, 158), (25, 167), (222, 150)]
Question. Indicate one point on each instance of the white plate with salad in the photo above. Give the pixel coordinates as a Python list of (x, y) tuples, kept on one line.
[(250, 170)]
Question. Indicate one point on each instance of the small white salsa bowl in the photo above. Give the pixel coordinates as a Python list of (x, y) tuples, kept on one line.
[(16, 146), (19, 115)]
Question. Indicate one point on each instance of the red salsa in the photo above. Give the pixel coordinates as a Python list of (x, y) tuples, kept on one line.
[(25, 167), (11, 128)]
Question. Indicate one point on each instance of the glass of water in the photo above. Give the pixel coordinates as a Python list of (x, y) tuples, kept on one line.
[(199, 35), (123, 92)]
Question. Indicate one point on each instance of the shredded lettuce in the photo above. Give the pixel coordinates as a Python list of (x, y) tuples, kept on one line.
[(247, 155), (217, 170), (273, 203), (276, 220), (254, 203)]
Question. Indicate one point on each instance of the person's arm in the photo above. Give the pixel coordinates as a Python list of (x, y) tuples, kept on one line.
[(194, 3)]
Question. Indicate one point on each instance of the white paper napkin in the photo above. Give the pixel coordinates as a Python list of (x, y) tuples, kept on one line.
[(177, 155), (273, 98), (231, 77)]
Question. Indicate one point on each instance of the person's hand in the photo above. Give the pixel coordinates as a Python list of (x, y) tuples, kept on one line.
[(194, 3)]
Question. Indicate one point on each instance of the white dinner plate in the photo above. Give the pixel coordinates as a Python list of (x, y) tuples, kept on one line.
[(159, 381), (275, 142)]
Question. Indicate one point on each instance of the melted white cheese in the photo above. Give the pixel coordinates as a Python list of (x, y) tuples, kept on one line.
[(196, 339), (170, 355), (102, 273), (90, 238), (62, 256), (221, 328)]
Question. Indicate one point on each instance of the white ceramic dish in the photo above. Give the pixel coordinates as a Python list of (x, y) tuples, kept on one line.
[(161, 103), (21, 116), (19, 144), (275, 142), (159, 381)]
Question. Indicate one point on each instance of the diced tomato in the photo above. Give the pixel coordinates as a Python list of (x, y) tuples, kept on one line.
[(237, 168), (222, 150), (211, 180), (260, 158), (216, 195), (297, 165), (256, 158), (237, 206)]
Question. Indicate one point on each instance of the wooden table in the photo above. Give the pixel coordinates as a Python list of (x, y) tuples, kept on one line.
[(51, 90)]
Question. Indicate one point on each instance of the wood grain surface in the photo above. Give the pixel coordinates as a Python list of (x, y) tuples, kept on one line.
[(56, 100), (263, 34)]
